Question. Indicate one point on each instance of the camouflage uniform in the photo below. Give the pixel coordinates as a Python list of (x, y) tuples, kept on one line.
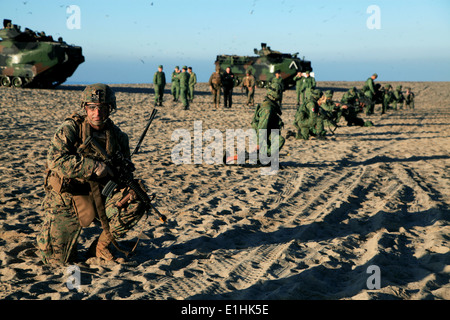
[(67, 179), (370, 92), (298, 85), (215, 83), (192, 83), (268, 116), (351, 106), (249, 83), (388, 98), (398, 97), (159, 82), (307, 120), (307, 84), (279, 80), (409, 99), (175, 89), (183, 77)]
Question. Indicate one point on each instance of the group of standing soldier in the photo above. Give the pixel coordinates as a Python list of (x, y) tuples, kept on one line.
[(183, 84)]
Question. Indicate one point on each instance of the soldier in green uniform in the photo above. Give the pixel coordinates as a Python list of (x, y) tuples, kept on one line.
[(159, 83), (278, 79), (370, 92), (398, 98), (298, 85), (331, 110), (215, 84), (175, 89), (71, 201), (249, 83), (308, 120), (409, 99), (388, 98), (192, 83), (308, 84), (268, 116), (352, 103), (183, 77)]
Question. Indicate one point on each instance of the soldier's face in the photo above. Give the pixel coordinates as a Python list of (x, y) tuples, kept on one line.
[(97, 114)]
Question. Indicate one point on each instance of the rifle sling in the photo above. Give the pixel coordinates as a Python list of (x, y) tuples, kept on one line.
[(96, 194)]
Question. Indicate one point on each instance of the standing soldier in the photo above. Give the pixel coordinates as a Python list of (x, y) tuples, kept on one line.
[(184, 87), (370, 92), (409, 99), (268, 116), (228, 85), (249, 83), (215, 83), (298, 84), (192, 83), (387, 98), (278, 79), (74, 182), (308, 84), (159, 82), (175, 84)]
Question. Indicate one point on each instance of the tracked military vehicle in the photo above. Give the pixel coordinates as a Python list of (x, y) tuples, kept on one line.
[(34, 60), (264, 65)]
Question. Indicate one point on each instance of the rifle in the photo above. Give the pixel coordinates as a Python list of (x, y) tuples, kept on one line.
[(152, 116), (328, 116), (123, 169)]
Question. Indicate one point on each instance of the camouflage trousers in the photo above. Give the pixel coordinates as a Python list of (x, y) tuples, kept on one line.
[(312, 126), (60, 228)]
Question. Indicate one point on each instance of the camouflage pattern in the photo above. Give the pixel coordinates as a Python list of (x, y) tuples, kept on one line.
[(215, 84), (249, 83), (308, 121), (35, 61), (409, 99), (60, 228), (388, 98), (398, 97), (268, 116), (264, 65)]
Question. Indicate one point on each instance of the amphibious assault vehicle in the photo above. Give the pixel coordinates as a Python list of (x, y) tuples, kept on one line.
[(34, 60), (264, 65)]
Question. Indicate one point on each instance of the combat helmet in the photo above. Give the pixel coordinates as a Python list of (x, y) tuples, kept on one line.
[(99, 93), (274, 91)]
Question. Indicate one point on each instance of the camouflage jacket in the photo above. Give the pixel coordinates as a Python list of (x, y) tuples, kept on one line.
[(215, 80), (267, 115), (308, 83), (249, 81), (63, 158)]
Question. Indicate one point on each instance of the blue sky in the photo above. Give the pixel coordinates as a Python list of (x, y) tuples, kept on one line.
[(125, 41)]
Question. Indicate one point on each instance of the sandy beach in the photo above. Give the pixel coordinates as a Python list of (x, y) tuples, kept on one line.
[(366, 202)]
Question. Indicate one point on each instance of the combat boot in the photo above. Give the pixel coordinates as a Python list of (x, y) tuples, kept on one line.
[(101, 250)]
